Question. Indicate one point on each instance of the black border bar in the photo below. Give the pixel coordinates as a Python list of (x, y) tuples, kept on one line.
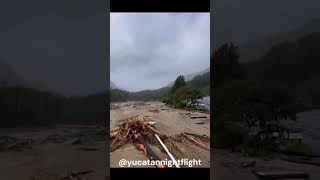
[(159, 5), (155, 173)]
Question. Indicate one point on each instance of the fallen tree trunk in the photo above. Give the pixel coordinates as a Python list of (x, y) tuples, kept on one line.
[(194, 117), (88, 149), (142, 145), (157, 132), (197, 143)]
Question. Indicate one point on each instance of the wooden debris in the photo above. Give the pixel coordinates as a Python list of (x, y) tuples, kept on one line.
[(113, 133), (142, 145), (14, 144), (154, 110), (55, 138), (76, 175), (114, 106), (151, 123), (192, 134), (203, 138), (77, 141), (196, 142), (157, 132), (125, 133), (280, 175), (166, 149), (195, 117), (138, 130), (248, 164), (7, 140), (199, 122), (88, 149)]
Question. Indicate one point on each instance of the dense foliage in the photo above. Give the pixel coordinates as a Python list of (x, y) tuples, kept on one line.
[(178, 83), (293, 66), (248, 95), (21, 106), (200, 83), (117, 95), (181, 94), (225, 64)]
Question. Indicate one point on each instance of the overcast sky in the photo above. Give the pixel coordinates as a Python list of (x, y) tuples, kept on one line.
[(149, 50), (247, 20), (57, 45)]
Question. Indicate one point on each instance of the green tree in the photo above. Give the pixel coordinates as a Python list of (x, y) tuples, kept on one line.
[(225, 63), (178, 83)]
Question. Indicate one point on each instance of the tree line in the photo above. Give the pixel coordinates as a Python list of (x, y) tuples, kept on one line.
[(199, 82), (22, 106), (277, 86)]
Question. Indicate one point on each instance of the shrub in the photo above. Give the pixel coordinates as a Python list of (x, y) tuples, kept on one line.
[(297, 147)]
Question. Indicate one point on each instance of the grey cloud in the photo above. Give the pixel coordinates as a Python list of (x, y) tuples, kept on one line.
[(59, 44), (247, 20), (149, 50)]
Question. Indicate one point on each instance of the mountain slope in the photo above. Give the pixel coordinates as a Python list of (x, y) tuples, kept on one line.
[(189, 77), (200, 81), (248, 20), (112, 85), (251, 51), (291, 65), (8, 76)]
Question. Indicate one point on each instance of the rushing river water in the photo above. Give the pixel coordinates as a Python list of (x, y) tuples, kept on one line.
[(309, 124), (205, 101)]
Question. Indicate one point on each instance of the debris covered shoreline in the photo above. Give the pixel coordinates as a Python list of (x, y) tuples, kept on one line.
[(136, 125), (59, 153), (234, 165)]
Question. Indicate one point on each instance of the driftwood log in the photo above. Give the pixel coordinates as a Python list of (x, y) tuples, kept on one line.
[(196, 142), (194, 117), (142, 145)]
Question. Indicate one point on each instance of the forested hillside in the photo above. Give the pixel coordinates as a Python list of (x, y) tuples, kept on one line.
[(292, 65), (21, 106), (200, 82), (281, 83)]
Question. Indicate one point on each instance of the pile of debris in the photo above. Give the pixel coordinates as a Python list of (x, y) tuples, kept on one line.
[(141, 131), (55, 138), (8, 143), (89, 136), (75, 175), (114, 106)]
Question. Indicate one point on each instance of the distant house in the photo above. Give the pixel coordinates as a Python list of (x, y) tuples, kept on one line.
[(276, 133)]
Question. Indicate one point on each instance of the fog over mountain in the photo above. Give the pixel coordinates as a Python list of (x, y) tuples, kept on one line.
[(56, 45), (189, 77), (113, 85), (252, 50), (247, 20), (8, 76)]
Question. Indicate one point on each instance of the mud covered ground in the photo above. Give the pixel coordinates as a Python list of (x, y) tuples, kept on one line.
[(53, 153), (227, 166), (169, 121)]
